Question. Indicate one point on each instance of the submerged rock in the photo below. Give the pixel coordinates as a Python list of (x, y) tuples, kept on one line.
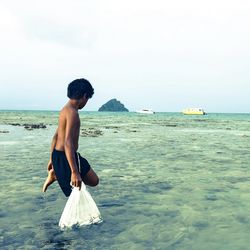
[(30, 126), (91, 132), (34, 126), (4, 131), (171, 125), (211, 197), (15, 124)]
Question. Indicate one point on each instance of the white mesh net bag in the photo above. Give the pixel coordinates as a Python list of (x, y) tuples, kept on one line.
[(80, 209)]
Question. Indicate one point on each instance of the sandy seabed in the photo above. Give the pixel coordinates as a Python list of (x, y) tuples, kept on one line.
[(167, 181)]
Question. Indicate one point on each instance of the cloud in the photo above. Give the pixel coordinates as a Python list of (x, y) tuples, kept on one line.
[(72, 25)]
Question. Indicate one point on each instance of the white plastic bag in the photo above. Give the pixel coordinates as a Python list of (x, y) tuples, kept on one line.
[(80, 209)]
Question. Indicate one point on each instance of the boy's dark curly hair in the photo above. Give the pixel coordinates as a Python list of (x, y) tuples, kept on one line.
[(78, 88)]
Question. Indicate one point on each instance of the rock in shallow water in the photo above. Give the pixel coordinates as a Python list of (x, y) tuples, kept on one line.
[(34, 126), (211, 197), (4, 131), (29, 126), (91, 132)]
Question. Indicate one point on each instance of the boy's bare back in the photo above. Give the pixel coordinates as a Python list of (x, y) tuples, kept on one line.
[(68, 129)]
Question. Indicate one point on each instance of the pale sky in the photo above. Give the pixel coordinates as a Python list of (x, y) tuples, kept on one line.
[(159, 54)]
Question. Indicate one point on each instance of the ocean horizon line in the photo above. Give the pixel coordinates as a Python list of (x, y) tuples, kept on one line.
[(57, 110)]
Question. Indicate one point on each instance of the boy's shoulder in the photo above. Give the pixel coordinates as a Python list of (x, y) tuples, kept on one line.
[(68, 111)]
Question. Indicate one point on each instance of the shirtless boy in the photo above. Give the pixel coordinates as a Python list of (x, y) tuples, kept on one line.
[(63, 165)]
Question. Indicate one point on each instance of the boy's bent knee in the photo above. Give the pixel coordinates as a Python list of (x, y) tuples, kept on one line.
[(91, 179), (94, 182)]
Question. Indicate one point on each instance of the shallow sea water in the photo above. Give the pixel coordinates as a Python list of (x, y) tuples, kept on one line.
[(167, 181)]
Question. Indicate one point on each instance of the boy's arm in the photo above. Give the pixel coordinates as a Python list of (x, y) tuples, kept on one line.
[(71, 128), (53, 144)]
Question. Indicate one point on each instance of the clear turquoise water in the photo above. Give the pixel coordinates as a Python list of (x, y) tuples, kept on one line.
[(168, 181)]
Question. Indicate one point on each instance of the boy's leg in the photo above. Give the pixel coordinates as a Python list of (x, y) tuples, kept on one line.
[(91, 178), (50, 179)]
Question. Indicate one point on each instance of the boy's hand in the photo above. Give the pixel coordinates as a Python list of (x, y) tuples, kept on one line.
[(76, 180), (50, 165)]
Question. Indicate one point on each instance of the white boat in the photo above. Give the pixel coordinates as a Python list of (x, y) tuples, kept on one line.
[(145, 111), (193, 111)]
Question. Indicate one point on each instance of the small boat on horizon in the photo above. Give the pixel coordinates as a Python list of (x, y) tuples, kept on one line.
[(145, 111), (193, 111)]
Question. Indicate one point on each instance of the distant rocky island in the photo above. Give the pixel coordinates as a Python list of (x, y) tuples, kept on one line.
[(113, 105)]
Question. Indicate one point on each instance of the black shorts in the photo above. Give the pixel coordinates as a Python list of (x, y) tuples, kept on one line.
[(63, 171)]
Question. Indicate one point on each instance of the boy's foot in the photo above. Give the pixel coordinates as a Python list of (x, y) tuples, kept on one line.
[(50, 179)]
